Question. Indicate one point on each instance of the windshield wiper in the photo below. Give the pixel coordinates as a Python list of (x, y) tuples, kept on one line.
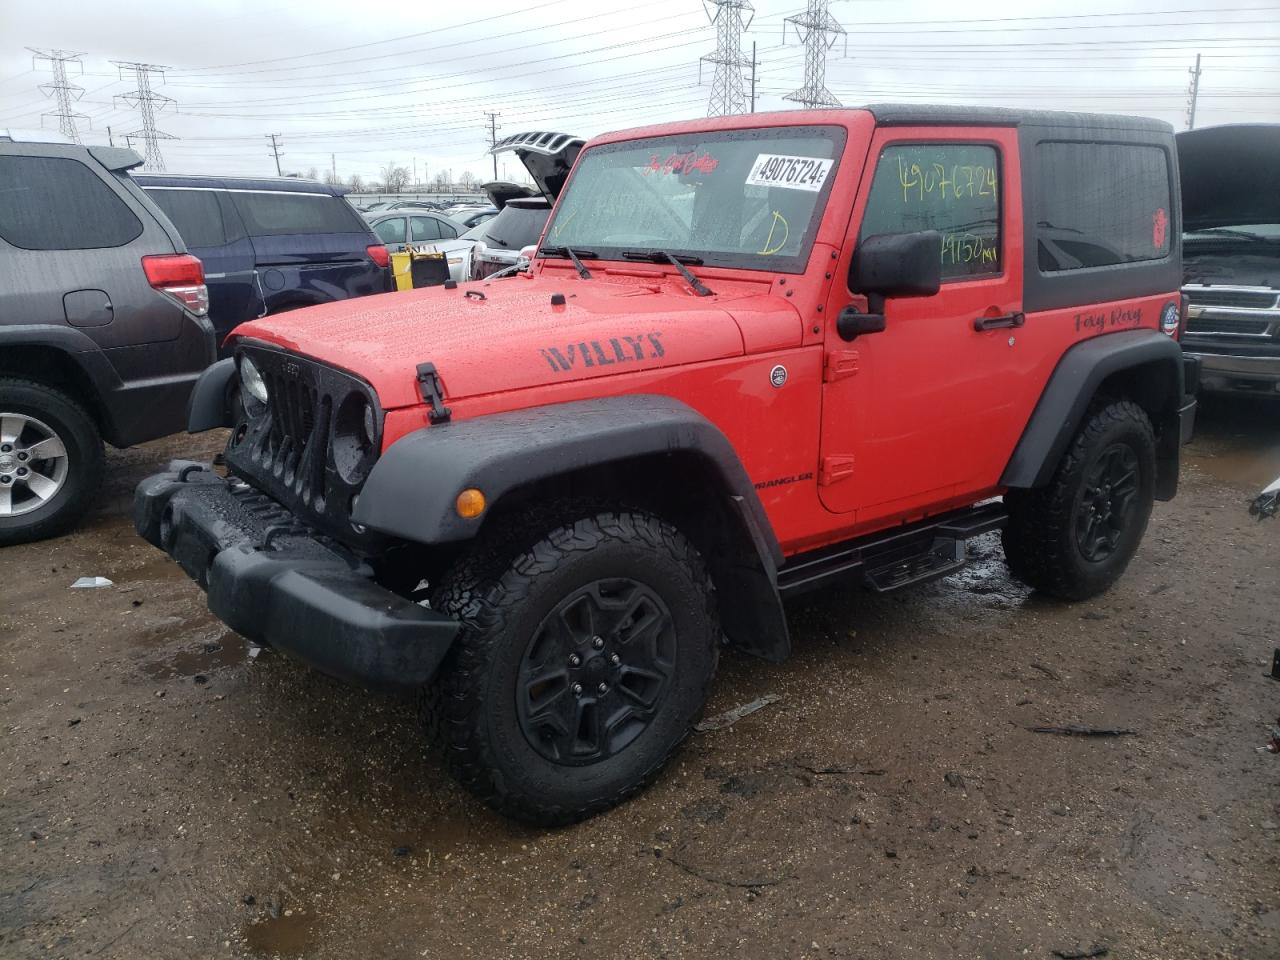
[(562, 251), (1229, 232), (677, 261), (497, 240)]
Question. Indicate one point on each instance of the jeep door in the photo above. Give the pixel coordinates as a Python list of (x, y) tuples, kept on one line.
[(916, 415)]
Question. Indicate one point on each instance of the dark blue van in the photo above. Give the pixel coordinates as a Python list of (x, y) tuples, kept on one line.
[(271, 244)]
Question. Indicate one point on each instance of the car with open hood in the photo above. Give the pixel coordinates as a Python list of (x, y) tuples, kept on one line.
[(1231, 255), (753, 355)]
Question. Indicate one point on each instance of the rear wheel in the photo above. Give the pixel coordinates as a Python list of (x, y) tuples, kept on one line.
[(1075, 537), (50, 461), (582, 664)]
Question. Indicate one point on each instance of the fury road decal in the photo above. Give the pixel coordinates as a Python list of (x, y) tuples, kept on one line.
[(783, 481), (1118, 317), (604, 353)]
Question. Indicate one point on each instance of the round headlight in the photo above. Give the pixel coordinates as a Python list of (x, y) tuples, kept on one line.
[(370, 425), (251, 379)]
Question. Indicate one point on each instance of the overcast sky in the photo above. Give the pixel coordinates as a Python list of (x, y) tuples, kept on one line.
[(359, 85)]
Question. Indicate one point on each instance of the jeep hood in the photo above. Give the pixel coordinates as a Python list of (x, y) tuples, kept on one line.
[(1230, 175), (508, 336)]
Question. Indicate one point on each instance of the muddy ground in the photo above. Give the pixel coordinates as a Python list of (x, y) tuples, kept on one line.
[(165, 795)]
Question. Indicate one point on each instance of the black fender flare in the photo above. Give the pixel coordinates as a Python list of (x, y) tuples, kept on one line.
[(83, 353), (1074, 383), (207, 408), (412, 489)]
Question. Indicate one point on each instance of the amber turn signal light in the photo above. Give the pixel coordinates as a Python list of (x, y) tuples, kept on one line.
[(470, 503)]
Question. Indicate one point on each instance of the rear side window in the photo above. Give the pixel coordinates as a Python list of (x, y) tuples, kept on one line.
[(1100, 204), (268, 214), (196, 213), (56, 203), (953, 188)]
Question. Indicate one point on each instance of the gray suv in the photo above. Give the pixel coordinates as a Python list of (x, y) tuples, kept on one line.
[(102, 326)]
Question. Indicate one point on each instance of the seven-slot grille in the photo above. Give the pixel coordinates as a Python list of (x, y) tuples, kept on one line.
[(299, 448)]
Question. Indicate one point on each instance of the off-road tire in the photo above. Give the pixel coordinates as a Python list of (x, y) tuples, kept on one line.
[(1041, 544), (501, 592), (79, 433)]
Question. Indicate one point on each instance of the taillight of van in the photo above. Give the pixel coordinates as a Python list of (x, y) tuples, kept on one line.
[(378, 254), (180, 277)]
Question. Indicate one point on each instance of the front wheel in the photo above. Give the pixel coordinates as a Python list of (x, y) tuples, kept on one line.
[(582, 664), (1074, 538)]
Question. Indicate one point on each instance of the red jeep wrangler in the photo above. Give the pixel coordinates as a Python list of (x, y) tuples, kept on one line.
[(753, 355)]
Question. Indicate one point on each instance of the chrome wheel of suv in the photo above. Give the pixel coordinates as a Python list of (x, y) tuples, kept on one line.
[(33, 464)]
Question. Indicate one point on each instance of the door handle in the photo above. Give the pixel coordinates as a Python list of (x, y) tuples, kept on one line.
[(997, 323)]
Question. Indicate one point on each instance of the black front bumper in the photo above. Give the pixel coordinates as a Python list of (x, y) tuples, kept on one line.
[(273, 580)]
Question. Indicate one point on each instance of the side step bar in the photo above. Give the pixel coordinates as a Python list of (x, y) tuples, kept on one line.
[(897, 557)]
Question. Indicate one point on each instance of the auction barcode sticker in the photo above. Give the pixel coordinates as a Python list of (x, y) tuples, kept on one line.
[(794, 173)]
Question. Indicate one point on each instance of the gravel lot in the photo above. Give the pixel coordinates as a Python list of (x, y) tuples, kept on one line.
[(165, 795)]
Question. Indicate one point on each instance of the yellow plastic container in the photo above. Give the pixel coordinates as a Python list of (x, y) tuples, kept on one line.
[(401, 269)]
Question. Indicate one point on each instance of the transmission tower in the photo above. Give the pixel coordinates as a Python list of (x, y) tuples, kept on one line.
[(727, 94), (818, 31), (148, 103), (61, 89)]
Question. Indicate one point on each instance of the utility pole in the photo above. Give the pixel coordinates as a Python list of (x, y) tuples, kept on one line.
[(493, 139), (111, 141), (333, 168), (61, 89), (727, 96), (753, 76), (1193, 93), (817, 30), (275, 151), (148, 104)]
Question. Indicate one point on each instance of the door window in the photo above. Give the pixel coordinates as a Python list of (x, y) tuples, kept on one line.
[(424, 228), (390, 231), (278, 214), (55, 203), (953, 188)]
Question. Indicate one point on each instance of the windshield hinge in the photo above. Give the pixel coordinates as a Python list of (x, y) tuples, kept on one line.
[(840, 364), (429, 385)]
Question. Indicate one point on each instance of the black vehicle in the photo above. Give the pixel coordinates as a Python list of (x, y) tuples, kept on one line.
[(271, 244), (1231, 255), (103, 327)]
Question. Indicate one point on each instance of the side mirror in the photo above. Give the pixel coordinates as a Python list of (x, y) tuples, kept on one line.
[(897, 265), (890, 265)]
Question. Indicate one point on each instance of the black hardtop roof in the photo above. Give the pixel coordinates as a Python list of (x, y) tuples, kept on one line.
[(924, 114)]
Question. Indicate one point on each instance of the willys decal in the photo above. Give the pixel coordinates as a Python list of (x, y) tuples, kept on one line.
[(604, 353)]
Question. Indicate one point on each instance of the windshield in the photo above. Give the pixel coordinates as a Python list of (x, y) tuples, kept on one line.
[(513, 227), (740, 198)]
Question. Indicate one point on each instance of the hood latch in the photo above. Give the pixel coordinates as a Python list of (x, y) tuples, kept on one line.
[(429, 385)]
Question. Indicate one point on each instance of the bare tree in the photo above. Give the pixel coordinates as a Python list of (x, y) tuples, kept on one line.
[(467, 180), (395, 179), (332, 179), (313, 173), (356, 183)]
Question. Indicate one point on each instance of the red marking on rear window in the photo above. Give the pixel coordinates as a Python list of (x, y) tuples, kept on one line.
[(1159, 224)]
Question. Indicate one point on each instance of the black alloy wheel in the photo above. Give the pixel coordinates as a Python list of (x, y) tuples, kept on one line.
[(1108, 502), (596, 671)]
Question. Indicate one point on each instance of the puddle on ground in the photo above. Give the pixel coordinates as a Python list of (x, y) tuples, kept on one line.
[(282, 936), (1237, 440), (227, 650)]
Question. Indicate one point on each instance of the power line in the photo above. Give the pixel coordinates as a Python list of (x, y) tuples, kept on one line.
[(818, 31), (61, 89), (727, 96), (148, 103)]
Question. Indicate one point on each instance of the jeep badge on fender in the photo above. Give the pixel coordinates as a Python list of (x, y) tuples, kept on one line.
[(787, 366)]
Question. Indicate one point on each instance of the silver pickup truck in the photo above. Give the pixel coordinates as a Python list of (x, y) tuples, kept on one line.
[(1231, 255)]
